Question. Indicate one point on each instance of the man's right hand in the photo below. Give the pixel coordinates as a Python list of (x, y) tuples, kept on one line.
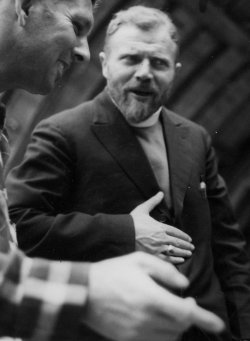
[(126, 304), (157, 238)]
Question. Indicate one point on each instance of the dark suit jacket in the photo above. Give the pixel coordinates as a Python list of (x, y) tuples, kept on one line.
[(84, 171)]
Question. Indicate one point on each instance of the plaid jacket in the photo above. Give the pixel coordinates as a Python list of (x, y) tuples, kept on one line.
[(39, 299)]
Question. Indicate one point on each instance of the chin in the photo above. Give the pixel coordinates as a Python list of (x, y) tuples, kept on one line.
[(137, 113)]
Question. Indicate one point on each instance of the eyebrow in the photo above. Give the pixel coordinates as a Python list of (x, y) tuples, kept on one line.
[(136, 50)]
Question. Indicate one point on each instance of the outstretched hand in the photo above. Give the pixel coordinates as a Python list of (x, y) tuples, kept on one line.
[(126, 304)]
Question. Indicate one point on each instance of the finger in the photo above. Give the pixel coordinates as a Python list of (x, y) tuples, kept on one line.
[(151, 203), (185, 313), (179, 243), (158, 240), (171, 259), (175, 232), (204, 319), (173, 251), (176, 252), (174, 260), (162, 272)]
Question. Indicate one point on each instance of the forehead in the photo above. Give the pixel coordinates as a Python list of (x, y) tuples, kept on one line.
[(130, 38), (80, 8)]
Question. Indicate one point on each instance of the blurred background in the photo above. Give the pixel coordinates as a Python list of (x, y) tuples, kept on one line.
[(212, 87)]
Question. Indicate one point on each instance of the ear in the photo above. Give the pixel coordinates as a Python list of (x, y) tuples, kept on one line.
[(103, 60), (22, 10)]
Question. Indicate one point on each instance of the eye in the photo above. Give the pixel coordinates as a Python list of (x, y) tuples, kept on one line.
[(160, 63), (78, 29), (131, 59)]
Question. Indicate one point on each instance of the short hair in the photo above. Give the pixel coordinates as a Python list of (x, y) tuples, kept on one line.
[(145, 18)]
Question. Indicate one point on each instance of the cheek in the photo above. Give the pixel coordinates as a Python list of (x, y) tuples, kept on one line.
[(119, 74), (63, 42), (166, 81), (116, 78)]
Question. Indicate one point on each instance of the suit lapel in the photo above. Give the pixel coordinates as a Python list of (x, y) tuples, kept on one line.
[(179, 158), (118, 138)]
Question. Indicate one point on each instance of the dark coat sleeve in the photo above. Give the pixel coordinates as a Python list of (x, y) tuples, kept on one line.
[(229, 249), (40, 203)]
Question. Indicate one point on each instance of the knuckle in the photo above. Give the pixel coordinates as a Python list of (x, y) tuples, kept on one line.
[(177, 243)]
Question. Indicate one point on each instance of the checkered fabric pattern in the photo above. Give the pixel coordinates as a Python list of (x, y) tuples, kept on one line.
[(39, 300), (4, 216)]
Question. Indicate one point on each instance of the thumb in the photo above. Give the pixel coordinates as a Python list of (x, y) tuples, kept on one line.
[(151, 203)]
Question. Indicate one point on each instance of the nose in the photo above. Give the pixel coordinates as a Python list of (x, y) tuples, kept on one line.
[(81, 51), (144, 72)]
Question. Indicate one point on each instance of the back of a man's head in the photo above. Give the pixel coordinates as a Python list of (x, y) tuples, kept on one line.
[(145, 18)]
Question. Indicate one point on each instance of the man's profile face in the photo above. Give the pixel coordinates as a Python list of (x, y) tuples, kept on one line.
[(55, 32), (139, 67)]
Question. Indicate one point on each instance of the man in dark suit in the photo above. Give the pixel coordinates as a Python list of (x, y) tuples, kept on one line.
[(88, 168)]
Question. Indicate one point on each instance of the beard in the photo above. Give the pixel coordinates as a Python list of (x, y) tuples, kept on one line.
[(134, 109)]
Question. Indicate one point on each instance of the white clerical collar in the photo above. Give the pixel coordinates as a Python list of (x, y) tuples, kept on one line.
[(149, 122)]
